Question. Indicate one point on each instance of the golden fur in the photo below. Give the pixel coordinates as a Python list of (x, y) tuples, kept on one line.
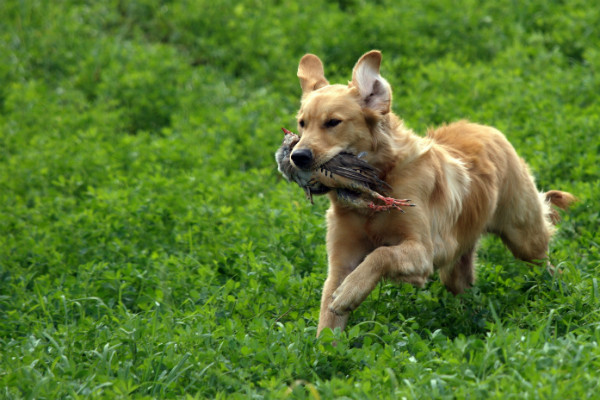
[(466, 179)]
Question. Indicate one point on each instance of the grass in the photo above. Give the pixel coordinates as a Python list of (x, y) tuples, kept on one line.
[(148, 248)]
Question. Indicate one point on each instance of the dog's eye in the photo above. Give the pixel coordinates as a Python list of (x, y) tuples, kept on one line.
[(332, 122), (301, 123)]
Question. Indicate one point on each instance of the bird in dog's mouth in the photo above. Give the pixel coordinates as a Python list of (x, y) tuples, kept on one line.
[(356, 182)]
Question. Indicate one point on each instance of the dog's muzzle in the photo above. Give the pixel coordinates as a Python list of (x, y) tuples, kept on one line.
[(302, 158)]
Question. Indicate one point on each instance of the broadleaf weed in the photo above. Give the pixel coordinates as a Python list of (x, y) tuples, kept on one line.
[(149, 249)]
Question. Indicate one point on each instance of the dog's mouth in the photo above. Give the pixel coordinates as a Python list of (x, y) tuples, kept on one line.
[(321, 163), (319, 189), (347, 194)]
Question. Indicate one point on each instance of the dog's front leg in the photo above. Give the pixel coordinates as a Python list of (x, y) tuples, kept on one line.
[(409, 261), (345, 253), (328, 319)]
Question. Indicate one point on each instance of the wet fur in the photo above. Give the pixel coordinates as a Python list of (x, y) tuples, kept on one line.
[(465, 178)]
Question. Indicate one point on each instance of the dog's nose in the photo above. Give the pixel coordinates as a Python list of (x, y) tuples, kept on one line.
[(302, 158)]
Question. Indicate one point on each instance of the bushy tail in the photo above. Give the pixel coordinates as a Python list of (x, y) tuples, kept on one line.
[(559, 199)]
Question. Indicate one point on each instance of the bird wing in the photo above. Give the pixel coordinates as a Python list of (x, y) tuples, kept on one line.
[(352, 167)]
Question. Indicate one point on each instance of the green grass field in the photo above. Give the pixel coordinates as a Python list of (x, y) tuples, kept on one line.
[(149, 249)]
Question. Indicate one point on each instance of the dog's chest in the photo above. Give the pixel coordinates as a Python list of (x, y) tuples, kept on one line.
[(382, 229)]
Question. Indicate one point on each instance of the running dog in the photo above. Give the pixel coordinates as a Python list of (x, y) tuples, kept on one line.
[(465, 179)]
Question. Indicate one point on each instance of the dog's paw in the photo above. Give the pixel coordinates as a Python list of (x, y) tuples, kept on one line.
[(338, 307), (346, 298)]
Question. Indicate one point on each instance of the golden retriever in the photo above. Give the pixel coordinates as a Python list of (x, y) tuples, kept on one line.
[(465, 179)]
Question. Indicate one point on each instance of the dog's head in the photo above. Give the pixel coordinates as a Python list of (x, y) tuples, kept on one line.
[(339, 118)]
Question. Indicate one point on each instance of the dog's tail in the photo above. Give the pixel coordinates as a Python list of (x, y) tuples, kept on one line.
[(559, 199)]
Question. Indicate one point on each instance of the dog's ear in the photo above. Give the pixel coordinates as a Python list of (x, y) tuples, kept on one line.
[(311, 73), (375, 92)]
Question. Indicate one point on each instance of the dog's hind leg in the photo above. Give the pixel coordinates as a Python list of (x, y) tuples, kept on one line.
[(527, 232), (528, 243), (529, 238), (461, 275), (523, 219)]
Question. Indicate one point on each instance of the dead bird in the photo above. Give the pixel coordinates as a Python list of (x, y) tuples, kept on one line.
[(355, 181)]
